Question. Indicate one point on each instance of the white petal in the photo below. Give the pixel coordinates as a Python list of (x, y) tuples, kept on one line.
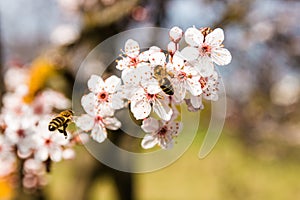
[(85, 122), (41, 154), (157, 58), (150, 125), (105, 110), (132, 48), (151, 86), (215, 38), (99, 133), (193, 37), (95, 83), (123, 63), (112, 123), (140, 109), (88, 103), (196, 101), (112, 84), (194, 86), (189, 53), (117, 101), (163, 110), (205, 66), (149, 141), (68, 154), (56, 154), (135, 76), (144, 56), (221, 56), (180, 91)]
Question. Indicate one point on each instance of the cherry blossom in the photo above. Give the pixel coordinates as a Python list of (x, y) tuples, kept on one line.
[(131, 58), (185, 78), (105, 92), (48, 144), (160, 133), (147, 98), (96, 120), (205, 49)]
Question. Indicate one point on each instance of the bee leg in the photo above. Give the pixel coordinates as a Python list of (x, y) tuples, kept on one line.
[(64, 130)]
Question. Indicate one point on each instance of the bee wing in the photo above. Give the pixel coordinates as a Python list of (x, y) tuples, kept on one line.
[(132, 48)]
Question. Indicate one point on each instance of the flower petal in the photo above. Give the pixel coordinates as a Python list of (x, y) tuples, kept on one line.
[(132, 48), (88, 103), (41, 154), (205, 66), (56, 154), (112, 123), (221, 56), (196, 101), (85, 122), (140, 109), (157, 58), (193, 37), (189, 53), (149, 141), (112, 84), (150, 125), (95, 83), (99, 133), (163, 110), (215, 38)]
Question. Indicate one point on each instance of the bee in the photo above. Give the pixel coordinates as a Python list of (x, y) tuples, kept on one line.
[(61, 121), (161, 75)]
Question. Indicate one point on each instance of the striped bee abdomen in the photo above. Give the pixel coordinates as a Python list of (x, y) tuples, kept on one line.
[(56, 123), (166, 86)]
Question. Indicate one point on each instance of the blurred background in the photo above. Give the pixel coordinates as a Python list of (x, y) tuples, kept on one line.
[(257, 156)]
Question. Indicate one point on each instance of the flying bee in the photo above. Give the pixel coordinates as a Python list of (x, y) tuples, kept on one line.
[(161, 75), (61, 121)]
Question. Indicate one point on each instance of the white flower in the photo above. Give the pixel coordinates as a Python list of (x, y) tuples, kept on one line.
[(201, 48), (96, 121), (160, 133), (19, 131), (48, 144), (148, 97), (104, 93), (184, 78), (132, 57)]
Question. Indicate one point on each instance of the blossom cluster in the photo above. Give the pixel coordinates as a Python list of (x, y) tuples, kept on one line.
[(154, 83), (24, 136)]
